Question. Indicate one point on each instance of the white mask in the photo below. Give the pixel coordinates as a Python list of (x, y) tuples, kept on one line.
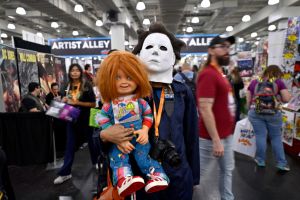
[(158, 55)]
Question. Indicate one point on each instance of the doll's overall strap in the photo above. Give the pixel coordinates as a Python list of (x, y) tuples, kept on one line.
[(157, 114)]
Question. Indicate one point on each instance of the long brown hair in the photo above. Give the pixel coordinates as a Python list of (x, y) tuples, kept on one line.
[(272, 71), (131, 66)]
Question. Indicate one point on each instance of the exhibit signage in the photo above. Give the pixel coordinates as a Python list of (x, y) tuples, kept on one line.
[(80, 46), (196, 43)]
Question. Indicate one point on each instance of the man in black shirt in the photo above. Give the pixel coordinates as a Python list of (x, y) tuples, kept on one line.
[(31, 101), (54, 94)]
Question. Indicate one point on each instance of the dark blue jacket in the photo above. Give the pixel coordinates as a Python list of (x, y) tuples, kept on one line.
[(182, 129)]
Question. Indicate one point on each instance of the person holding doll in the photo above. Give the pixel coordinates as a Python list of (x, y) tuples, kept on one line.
[(123, 82)]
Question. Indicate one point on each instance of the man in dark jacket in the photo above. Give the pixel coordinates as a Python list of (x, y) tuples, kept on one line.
[(159, 49), (31, 101)]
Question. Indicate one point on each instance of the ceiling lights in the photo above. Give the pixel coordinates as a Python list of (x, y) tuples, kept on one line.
[(195, 20), (241, 40), (229, 28), (75, 33), (273, 2), (78, 8), (272, 27), (126, 43), (20, 11), (146, 21), (254, 34), (54, 25), (11, 26), (39, 34), (205, 3), (189, 29), (99, 22), (140, 6), (246, 18), (4, 35)]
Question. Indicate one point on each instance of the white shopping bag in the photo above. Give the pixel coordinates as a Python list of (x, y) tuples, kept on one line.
[(244, 138)]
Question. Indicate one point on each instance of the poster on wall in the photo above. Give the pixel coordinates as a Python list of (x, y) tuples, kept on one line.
[(288, 127), (46, 71), (9, 79), (297, 126), (28, 69), (60, 71), (245, 63)]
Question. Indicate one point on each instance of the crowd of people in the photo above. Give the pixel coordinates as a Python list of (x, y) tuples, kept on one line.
[(162, 126)]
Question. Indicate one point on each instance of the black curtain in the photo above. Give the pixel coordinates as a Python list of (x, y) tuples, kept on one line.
[(26, 138)]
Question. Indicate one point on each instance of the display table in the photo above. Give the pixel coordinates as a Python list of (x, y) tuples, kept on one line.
[(27, 138)]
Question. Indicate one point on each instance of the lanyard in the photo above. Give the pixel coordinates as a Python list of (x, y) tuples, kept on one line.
[(74, 93), (157, 116)]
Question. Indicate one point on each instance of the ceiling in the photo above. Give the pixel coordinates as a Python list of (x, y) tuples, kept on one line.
[(175, 14)]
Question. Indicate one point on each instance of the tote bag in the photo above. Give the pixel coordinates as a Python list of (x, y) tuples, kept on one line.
[(244, 138)]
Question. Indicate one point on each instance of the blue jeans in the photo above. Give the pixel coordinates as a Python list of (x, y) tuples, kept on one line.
[(263, 125), (120, 166), (226, 164)]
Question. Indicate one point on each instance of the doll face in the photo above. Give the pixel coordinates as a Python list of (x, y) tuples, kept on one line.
[(157, 52), (124, 84)]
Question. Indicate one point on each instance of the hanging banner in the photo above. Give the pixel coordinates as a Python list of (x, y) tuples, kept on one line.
[(196, 43), (9, 79), (80, 46), (28, 69)]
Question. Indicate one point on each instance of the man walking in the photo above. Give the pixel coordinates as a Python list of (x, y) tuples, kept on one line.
[(217, 110)]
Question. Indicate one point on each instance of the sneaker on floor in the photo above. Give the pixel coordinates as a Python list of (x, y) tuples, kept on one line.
[(260, 163), (285, 168), (129, 185), (61, 179), (155, 184)]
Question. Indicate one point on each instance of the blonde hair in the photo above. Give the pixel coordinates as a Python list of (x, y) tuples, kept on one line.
[(131, 66)]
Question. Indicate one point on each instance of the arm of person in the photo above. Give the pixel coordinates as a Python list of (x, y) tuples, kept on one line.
[(210, 124), (285, 95), (248, 98), (85, 104)]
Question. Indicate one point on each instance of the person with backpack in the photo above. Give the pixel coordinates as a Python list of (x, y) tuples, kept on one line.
[(264, 96), (188, 77)]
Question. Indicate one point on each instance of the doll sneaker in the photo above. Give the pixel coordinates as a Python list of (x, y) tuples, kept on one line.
[(155, 184), (129, 185)]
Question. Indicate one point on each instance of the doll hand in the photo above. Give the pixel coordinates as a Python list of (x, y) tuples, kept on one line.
[(142, 135), (125, 147)]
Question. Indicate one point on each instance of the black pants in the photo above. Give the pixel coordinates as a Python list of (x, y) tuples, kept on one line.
[(5, 184)]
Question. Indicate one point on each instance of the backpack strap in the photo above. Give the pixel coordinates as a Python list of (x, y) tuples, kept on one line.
[(184, 77)]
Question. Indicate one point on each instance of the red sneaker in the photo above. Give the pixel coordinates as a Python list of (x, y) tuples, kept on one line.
[(155, 184), (129, 185)]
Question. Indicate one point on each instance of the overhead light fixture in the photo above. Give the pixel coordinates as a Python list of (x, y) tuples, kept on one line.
[(130, 46), (146, 21), (256, 42), (241, 39), (140, 5), (253, 35), (4, 35), (109, 32), (272, 27), (58, 30), (99, 22), (75, 33), (54, 25), (39, 34), (11, 26), (12, 17), (273, 2), (258, 38), (78, 8), (20, 11), (183, 29), (195, 20), (246, 18), (205, 3), (189, 29), (229, 28), (126, 43)]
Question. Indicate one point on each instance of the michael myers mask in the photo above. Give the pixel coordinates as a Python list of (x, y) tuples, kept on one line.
[(158, 54), (158, 49)]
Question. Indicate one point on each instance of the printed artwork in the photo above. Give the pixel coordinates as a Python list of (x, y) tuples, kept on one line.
[(245, 63), (294, 103), (297, 126), (46, 72), (9, 79), (288, 127), (28, 69), (60, 71), (125, 109)]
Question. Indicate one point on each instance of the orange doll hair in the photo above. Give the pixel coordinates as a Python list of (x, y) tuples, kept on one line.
[(131, 66)]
